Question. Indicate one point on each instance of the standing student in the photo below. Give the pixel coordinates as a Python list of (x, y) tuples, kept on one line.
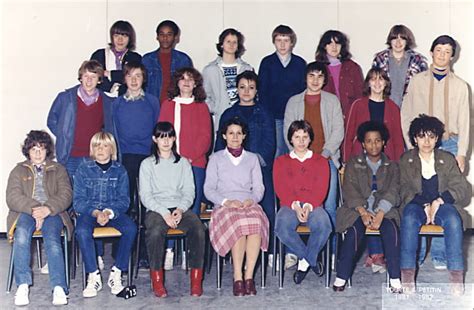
[(101, 199), (344, 75), (220, 74), (38, 195), (112, 58), (323, 111), (400, 61), (371, 196), (167, 191), (441, 93), (163, 62), (280, 76), (186, 109)]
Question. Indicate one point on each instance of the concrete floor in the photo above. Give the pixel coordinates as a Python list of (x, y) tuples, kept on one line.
[(368, 291)]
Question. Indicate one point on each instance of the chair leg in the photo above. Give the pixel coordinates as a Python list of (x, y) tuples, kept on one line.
[(328, 262), (218, 271), (84, 276), (137, 250), (185, 245), (130, 270), (10, 271), (38, 253), (74, 256), (274, 264), (263, 268), (66, 258), (282, 266)]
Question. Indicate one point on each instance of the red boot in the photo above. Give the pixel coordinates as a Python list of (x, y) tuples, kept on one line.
[(157, 281), (196, 282)]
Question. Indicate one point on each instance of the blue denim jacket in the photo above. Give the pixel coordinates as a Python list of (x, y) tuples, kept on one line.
[(95, 189), (62, 120), (261, 132), (154, 73)]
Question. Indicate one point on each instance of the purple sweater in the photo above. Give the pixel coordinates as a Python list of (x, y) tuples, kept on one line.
[(224, 180)]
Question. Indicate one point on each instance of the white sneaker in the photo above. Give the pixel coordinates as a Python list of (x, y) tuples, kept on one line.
[(115, 280), (59, 297), (100, 263), (21, 295), (44, 269), (94, 284), (290, 260), (169, 259), (183, 262)]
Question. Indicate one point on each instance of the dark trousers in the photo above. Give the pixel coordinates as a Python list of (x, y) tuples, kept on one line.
[(355, 237), (155, 237)]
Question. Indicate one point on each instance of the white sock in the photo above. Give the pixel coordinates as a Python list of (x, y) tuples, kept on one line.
[(169, 250), (395, 283), (303, 265), (114, 268), (339, 282)]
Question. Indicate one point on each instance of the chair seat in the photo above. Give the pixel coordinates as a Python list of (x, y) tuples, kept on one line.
[(175, 232), (106, 232), (302, 229), (205, 216), (425, 230)]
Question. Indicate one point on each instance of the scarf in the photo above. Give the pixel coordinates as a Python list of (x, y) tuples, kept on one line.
[(333, 61), (86, 98), (235, 152), (178, 101), (118, 57), (446, 97)]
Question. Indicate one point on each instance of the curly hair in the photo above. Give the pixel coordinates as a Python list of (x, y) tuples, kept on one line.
[(240, 41), (198, 92), (368, 126), (424, 124), (338, 37), (38, 138)]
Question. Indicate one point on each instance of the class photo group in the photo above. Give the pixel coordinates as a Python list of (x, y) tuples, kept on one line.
[(147, 144)]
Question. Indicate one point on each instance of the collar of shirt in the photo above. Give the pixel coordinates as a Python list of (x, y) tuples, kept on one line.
[(308, 154), (284, 60), (235, 160), (428, 167)]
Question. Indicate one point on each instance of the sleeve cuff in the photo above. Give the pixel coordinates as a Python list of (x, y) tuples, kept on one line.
[(385, 206), (326, 153), (111, 215), (447, 197), (224, 201), (308, 205)]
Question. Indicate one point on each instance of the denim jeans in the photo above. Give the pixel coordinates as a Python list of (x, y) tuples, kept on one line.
[(281, 147), (330, 204), (84, 228), (268, 202), (199, 177), (354, 240), (51, 230), (438, 250), (319, 225), (447, 217)]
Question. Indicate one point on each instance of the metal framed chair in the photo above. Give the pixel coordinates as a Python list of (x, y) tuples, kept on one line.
[(37, 236)]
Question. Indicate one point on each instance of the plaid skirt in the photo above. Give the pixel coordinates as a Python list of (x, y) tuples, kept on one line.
[(229, 224)]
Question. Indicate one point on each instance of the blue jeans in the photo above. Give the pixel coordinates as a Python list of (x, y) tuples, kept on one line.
[(84, 228), (319, 225), (268, 202), (447, 217), (51, 230), (438, 250), (281, 147), (330, 204), (199, 177)]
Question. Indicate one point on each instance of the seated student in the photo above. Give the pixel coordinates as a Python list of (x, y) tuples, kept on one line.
[(234, 184), (301, 183), (101, 199), (115, 56), (433, 191), (371, 195), (38, 194), (167, 191)]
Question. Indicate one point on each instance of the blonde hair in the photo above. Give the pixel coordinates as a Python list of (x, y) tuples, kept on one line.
[(106, 138)]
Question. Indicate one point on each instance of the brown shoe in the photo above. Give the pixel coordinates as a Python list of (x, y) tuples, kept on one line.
[(196, 282), (157, 282), (239, 288), (456, 278), (250, 287), (408, 281)]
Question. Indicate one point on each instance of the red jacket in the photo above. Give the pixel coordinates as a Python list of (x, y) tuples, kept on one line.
[(306, 181), (351, 84), (359, 113), (195, 133)]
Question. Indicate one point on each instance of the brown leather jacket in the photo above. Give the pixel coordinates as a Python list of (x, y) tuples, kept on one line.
[(20, 189)]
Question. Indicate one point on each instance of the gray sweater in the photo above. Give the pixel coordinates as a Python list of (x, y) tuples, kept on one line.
[(331, 116), (217, 97), (166, 185)]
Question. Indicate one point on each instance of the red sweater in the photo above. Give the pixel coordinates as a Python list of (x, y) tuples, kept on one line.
[(306, 181), (359, 113), (195, 133), (351, 84), (89, 120)]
